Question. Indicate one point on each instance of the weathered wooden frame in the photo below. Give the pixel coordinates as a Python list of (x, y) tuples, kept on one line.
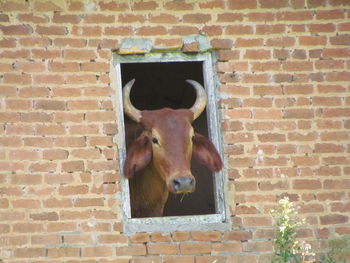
[(217, 221)]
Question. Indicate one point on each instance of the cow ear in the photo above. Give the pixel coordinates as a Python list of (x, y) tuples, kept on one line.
[(138, 156), (205, 153)]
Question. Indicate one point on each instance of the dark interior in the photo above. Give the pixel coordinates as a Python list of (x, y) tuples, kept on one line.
[(161, 85)]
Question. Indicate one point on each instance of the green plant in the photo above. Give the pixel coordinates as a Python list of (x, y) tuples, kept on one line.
[(287, 249), (339, 250)]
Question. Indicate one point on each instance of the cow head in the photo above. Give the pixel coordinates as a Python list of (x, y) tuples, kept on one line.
[(168, 143)]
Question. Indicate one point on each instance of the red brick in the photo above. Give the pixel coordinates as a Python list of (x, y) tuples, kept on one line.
[(261, 16), (229, 17), (46, 54), (259, 246), (131, 18), (35, 41), (281, 42), (14, 78), (329, 64), (29, 252), (113, 6), (98, 18), (151, 30), (212, 4), (176, 259), (97, 251), (62, 18), (50, 129), (312, 40), (87, 31), (38, 142), (270, 29), (257, 221), (4, 203), (49, 105), (336, 52), (306, 184), (212, 30), (4, 18), (73, 166), (255, 78), (197, 18), (31, 66), (298, 114), (87, 153), (49, 216), (46, 240), (273, 4), (337, 112), (162, 249), (133, 250), (64, 66), (180, 236), (239, 30), (315, 3), (68, 117), (16, 29), (242, 4), (338, 76), (113, 239), (183, 30), (70, 142), (340, 40), (149, 5), (18, 104), (140, 238), (336, 184), (25, 203), (297, 66), (340, 207), (46, 6), (77, 54), (51, 30), (333, 219), (48, 79), (295, 16), (69, 42), (331, 88), (61, 252), (175, 5), (206, 236), (317, 28), (195, 248), (257, 54)]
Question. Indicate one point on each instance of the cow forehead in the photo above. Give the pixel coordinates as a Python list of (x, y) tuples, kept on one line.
[(168, 120)]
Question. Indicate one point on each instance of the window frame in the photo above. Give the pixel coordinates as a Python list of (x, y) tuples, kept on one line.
[(217, 221)]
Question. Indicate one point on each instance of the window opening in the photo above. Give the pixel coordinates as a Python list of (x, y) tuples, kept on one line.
[(161, 82), (159, 85)]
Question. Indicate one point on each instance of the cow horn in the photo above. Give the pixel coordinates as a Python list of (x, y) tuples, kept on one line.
[(129, 109), (201, 99)]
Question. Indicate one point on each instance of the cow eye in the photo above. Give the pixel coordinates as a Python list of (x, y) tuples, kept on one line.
[(155, 140)]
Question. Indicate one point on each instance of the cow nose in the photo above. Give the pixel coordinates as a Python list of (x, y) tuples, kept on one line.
[(183, 184)]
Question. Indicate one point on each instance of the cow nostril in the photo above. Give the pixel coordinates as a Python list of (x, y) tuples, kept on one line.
[(183, 184), (177, 185)]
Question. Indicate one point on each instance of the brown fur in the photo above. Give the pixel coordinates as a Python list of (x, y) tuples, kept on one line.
[(152, 167)]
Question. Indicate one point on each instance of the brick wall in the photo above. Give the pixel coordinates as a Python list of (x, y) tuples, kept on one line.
[(284, 72)]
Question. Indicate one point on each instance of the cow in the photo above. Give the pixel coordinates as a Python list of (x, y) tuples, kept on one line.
[(161, 145)]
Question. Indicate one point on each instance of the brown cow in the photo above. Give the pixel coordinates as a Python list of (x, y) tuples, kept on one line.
[(158, 161)]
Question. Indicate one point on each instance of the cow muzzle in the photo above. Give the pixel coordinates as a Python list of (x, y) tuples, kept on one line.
[(183, 185)]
